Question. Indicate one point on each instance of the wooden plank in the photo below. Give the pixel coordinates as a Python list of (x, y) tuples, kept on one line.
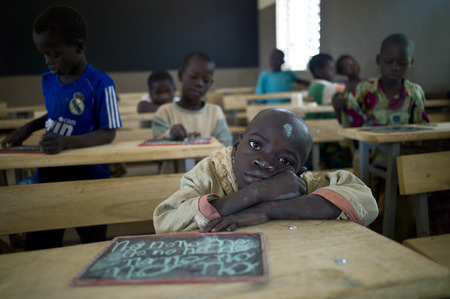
[(437, 103), (319, 259), (252, 110), (25, 208), (422, 173), (324, 130), (126, 151), (438, 117), (435, 131), (436, 248), (239, 101)]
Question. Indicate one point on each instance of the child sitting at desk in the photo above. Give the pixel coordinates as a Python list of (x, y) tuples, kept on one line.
[(390, 99), (161, 90), (81, 108), (191, 116), (277, 80), (387, 100), (322, 88), (262, 178), (347, 66)]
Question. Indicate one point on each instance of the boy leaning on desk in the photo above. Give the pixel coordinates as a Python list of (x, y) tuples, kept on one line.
[(262, 178), (81, 108)]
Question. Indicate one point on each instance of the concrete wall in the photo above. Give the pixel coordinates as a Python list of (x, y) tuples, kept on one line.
[(355, 27)]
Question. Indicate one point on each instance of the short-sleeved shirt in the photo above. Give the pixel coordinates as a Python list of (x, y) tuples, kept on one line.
[(88, 104), (208, 121), (368, 105), (281, 81)]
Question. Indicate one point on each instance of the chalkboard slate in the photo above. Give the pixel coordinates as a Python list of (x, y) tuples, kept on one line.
[(22, 149), (179, 258), (196, 140)]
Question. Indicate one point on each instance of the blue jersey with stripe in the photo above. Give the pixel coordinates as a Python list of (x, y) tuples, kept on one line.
[(88, 104)]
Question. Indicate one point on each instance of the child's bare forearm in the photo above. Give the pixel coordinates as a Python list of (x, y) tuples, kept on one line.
[(238, 201), (310, 206), (91, 139)]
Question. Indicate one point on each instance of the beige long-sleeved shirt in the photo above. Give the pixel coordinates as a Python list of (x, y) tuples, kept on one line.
[(189, 208)]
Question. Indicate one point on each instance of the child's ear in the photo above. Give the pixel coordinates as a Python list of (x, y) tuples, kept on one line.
[(237, 140), (80, 45), (377, 59), (302, 170), (180, 75)]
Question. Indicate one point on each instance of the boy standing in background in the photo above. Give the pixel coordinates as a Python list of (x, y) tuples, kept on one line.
[(81, 108)]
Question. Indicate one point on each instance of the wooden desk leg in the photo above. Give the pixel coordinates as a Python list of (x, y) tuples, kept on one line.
[(390, 201), (364, 162), (10, 177), (315, 156)]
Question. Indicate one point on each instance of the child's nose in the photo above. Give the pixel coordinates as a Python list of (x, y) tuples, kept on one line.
[(263, 164), (48, 60)]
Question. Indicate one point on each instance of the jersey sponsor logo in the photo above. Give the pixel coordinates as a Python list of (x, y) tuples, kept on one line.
[(76, 104), (64, 126)]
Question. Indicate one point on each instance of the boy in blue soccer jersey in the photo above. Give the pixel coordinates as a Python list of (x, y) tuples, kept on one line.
[(81, 108)]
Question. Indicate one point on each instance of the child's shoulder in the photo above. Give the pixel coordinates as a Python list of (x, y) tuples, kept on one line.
[(413, 89), (96, 74)]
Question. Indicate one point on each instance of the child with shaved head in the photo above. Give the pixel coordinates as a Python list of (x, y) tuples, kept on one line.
[(260, 178)]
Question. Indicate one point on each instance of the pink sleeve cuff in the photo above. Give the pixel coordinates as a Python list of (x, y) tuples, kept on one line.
[(206, 208), (340, 202)]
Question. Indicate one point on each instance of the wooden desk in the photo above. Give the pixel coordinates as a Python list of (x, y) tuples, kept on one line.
[(125, 151), (239, 101), (437, 103), (392, 143), (12, 124), (436, 248), (307, 262), (28, 110)]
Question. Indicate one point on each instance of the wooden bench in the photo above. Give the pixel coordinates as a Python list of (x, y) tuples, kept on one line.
[(419, 174), (216, 96), (26, 208), (436, 248)]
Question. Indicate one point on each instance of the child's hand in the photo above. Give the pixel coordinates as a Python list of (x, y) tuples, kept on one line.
[(283, 185), (52, 143), (252, 216), (178, 132), (339, 101), (16, 138)]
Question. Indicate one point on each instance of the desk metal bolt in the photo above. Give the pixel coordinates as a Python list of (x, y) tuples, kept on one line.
[(340, 261), (428, 175), (292, 227)]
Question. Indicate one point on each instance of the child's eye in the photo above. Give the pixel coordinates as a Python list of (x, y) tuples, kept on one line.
[(285, 161), (255, 145)]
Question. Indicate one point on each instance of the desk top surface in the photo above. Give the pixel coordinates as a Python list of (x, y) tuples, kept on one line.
[(318, 259), (429, 132), (123, 151)]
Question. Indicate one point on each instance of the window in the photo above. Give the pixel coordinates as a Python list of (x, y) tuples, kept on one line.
[(298, 31)]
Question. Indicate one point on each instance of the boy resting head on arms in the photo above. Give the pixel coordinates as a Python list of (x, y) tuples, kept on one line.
[(262, 178)]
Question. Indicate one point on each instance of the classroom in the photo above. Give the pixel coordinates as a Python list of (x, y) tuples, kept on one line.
[(403, 250)]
